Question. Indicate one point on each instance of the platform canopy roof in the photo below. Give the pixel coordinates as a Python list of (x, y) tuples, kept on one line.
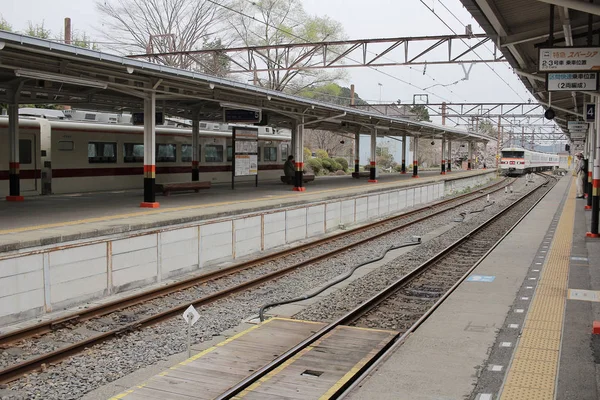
[(522, 27), (43, 72)]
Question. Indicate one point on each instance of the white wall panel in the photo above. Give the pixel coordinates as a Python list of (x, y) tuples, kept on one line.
[(373, 206), (384, 203), (393, 201), (295, 221), (333, 211), (274, 229), (247, 236), (216, 242), (361, 209), (347, 212), (315, 220)]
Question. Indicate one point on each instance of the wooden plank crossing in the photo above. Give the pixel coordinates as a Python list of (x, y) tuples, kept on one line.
[(320, 370), (338, 355)]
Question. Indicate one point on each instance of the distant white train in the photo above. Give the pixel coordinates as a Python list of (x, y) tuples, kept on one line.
[(519, 161), (59, 156)]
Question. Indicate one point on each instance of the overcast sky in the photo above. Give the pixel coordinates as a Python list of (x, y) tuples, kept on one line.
[(361, 19)]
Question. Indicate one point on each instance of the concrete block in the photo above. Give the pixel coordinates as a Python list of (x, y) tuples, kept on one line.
[(64, 269), (401, 200), (393, 201), (361, 209), (82, 289), (182, 255), (295, 221), (333, 213), (216, 242), (315, 220), (134, 243), (274, 230), (347, 212), (21, 283), (21, 302), (20, 265), (134, 258), (384, 203), (179, 235), (373, 206), (247, 236), (410, 197)]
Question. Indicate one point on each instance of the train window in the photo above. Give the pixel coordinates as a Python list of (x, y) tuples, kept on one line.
[(229, 153), (213, 153), (166, 153), (270, 153), (25, 151), (285, 152), (133, 152), (99, 152), (512, 154), (186, 153), (65, 145), (90, 117)]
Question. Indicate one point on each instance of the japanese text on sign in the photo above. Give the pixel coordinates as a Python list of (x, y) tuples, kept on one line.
[(569, 59), (572, 81)]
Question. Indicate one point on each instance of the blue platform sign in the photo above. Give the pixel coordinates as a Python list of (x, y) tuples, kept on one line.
[(481, 278), (590, 112)]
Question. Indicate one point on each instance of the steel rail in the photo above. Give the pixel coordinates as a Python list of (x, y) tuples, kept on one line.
[(15, 371), (117, 305), (349, 317)]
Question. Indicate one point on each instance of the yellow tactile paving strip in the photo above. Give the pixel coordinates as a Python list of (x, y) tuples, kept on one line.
[(534, 368)]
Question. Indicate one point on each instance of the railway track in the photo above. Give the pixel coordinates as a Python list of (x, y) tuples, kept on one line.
[(116, 311), (411, 299)]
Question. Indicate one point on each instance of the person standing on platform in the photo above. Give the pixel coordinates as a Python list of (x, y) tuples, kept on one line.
[(580, 173), (289, 169)]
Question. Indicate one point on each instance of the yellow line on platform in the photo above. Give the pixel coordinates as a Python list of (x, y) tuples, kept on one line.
[(534, 368), (195, 207)]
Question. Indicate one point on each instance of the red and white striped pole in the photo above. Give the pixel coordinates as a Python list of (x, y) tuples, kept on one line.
[(596, 176)]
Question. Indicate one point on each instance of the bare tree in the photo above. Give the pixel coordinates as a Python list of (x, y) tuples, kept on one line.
[(158, 26), (333, 143), (276, 22)]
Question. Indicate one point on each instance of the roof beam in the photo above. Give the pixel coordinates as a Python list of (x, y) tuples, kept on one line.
[(589, 8)]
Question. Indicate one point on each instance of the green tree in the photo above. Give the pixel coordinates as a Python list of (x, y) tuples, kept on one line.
[(4, 25), (277, 22), (384, 158), (217, 64), (421, 111), (82, 40), (332, 93), (37, 30)]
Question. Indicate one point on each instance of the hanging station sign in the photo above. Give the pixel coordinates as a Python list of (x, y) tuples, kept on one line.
[(569, 59), (569, 81)]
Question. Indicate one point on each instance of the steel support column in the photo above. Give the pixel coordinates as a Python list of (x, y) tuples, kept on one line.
[(469, 160), (150, 152), (443, 158), (298, 133), (403, 170), (14, 181), (357, 153), (596, 177), (589, 166), (195, 152), (415, 157), (449, 157), (373, 173)]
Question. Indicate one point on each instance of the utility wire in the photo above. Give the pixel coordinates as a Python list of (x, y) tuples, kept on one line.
[(306, 40), (473, 50)]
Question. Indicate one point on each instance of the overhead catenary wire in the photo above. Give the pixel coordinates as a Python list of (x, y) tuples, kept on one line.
[(306, 40), (477, 54)]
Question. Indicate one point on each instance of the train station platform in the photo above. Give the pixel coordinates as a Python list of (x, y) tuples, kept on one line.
[(61, 218), (520, 327)]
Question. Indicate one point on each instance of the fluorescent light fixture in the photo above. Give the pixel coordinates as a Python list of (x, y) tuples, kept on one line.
[(235, 106), (23, 73), (130, 70)]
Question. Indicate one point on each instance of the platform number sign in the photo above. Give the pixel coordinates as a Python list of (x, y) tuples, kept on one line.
[(590, 112)]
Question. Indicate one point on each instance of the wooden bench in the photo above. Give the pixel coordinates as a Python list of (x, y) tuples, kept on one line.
[(363, 174), (305, 178), (167, 188)]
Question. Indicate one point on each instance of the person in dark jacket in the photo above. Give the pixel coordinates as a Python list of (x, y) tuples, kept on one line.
[(289, 169)]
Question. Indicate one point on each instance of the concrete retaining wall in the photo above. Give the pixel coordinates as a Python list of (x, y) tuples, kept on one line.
[(39, 280)]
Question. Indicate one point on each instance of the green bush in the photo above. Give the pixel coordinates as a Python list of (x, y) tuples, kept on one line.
[(326, 162), (335, 166), (307, 153), (315, 164), (343, 162), (321, 153)]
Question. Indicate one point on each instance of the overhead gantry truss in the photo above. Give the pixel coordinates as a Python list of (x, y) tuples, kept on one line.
[(419, 50)]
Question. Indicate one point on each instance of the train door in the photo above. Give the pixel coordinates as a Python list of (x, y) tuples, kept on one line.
[(28, 162)]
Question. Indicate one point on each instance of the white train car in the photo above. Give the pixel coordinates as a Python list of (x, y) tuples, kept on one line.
[(518, 161), (68, 157)]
